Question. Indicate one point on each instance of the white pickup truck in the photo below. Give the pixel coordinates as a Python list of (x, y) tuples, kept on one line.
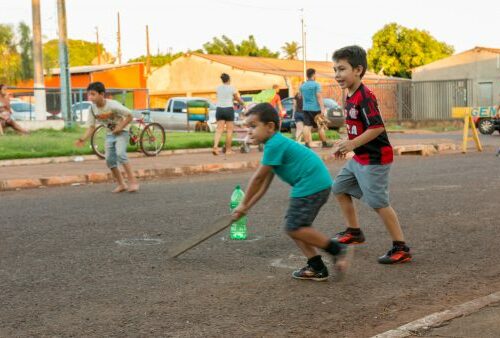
[(174, 117)]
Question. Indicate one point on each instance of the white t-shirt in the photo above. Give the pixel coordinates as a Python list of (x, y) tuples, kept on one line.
[(225, 96), (112, 113)]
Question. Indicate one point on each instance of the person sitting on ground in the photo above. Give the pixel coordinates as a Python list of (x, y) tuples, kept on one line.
[(6, 119)]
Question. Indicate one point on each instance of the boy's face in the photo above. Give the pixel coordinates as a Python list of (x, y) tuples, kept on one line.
[(346, 76), (258, 131), (3, 91), (95, 97)]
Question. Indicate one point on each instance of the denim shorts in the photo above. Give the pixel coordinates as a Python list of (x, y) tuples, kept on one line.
[(299, 116), (302, 211), (116, 149), (370, 183)]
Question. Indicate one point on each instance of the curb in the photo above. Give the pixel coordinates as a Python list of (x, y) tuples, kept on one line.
[(100, 177), (435, 319), (77, 158)]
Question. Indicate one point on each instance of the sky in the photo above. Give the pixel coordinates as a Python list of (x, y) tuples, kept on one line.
[(188, 24)]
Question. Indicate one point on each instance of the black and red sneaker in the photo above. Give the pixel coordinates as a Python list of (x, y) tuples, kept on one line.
[(347, 237), (398, 254)]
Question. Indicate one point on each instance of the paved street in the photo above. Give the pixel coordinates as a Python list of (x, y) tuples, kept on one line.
[(79, 261)]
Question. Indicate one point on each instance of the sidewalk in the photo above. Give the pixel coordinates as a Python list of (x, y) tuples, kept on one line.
[(478, 318), (67, 171), (485, 324)]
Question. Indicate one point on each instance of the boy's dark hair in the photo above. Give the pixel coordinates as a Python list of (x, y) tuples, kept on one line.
[(266, 113), (355, 55), (310, 72), (97, 86), (2, 85), (224, 77)]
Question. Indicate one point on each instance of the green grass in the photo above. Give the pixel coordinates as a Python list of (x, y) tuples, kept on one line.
[(51, 143)]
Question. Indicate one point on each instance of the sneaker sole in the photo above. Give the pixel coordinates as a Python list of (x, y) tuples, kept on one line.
[(315, 279), (407, 259)]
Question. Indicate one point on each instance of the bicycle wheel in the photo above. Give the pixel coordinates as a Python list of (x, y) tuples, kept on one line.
[(98, 140), (152, 139)]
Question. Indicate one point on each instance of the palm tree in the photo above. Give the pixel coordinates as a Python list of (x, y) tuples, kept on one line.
[(291, 50)]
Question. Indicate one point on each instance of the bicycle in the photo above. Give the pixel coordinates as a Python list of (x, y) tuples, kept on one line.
[(149, 136)]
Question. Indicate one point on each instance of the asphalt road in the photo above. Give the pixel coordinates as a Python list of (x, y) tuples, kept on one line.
[(80, 261)]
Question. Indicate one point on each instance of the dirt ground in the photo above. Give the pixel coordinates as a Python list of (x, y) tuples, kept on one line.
[(78, 261)]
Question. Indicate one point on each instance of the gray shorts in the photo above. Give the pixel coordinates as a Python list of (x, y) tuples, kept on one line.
[(302, 211), (370, 183)]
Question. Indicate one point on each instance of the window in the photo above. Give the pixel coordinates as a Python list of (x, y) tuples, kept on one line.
[(179, 106)]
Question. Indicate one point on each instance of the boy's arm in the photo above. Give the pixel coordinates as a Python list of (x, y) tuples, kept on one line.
[(346, 146), (259, 183), (81, 141), (126, 118)]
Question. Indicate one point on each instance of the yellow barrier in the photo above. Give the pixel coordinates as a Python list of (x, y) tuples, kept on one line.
[(469, 122)]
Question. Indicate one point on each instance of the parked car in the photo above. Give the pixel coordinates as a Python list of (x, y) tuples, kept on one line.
[(333, 112), (24, 111), (174, 116), (81, 111)]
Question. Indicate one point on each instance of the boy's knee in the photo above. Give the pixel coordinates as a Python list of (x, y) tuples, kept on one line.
[(122, 158)]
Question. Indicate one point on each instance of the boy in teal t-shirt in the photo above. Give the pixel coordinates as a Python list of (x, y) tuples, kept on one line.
[(311, 183)]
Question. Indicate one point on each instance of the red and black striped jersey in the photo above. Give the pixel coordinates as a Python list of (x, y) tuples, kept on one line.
[(362, 113)]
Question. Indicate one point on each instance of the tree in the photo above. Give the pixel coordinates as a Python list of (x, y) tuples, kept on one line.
[(225, 46), (397, 49), (291, 50), (157, 60), (10, 60), (80, 52), (26, 47)]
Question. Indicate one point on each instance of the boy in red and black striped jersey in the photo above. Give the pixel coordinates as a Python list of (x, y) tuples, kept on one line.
[(366, 176)]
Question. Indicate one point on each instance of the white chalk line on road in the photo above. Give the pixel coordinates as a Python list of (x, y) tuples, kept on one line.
[(437, 187), (439, 317)]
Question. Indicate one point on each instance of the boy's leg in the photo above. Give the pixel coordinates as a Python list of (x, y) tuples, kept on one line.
[(299, 218), (112, 163), (345, 187), (374, 182), (391, 222), (121, 144)]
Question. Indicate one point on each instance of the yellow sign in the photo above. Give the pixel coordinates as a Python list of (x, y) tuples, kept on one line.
[(461, 112), (469, 122)]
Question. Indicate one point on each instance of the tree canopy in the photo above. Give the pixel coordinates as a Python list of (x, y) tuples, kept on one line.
[(249, 47), (397, 49)]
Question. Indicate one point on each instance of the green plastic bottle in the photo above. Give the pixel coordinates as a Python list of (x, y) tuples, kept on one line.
[(238, 229)]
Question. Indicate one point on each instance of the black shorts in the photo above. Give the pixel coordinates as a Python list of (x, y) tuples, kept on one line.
[(309, 118), (302, 211), (224, 114)]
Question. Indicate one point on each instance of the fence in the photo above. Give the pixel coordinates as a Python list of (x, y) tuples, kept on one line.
[(23, 101), (412, 100)]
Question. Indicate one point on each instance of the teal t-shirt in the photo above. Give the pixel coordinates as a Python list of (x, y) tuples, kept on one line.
[(309, 89), (297, 165)]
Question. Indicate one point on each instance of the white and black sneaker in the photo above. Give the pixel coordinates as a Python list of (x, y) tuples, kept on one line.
[(308, 273)]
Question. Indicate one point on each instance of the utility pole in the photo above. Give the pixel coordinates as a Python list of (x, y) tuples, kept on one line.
[(303, 44), (148, 58), (39, 90), (64, 74), (119, 40), (97, 45)]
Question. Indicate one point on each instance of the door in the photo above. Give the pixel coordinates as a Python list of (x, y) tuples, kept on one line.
[(485, 95), (179, 115)]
